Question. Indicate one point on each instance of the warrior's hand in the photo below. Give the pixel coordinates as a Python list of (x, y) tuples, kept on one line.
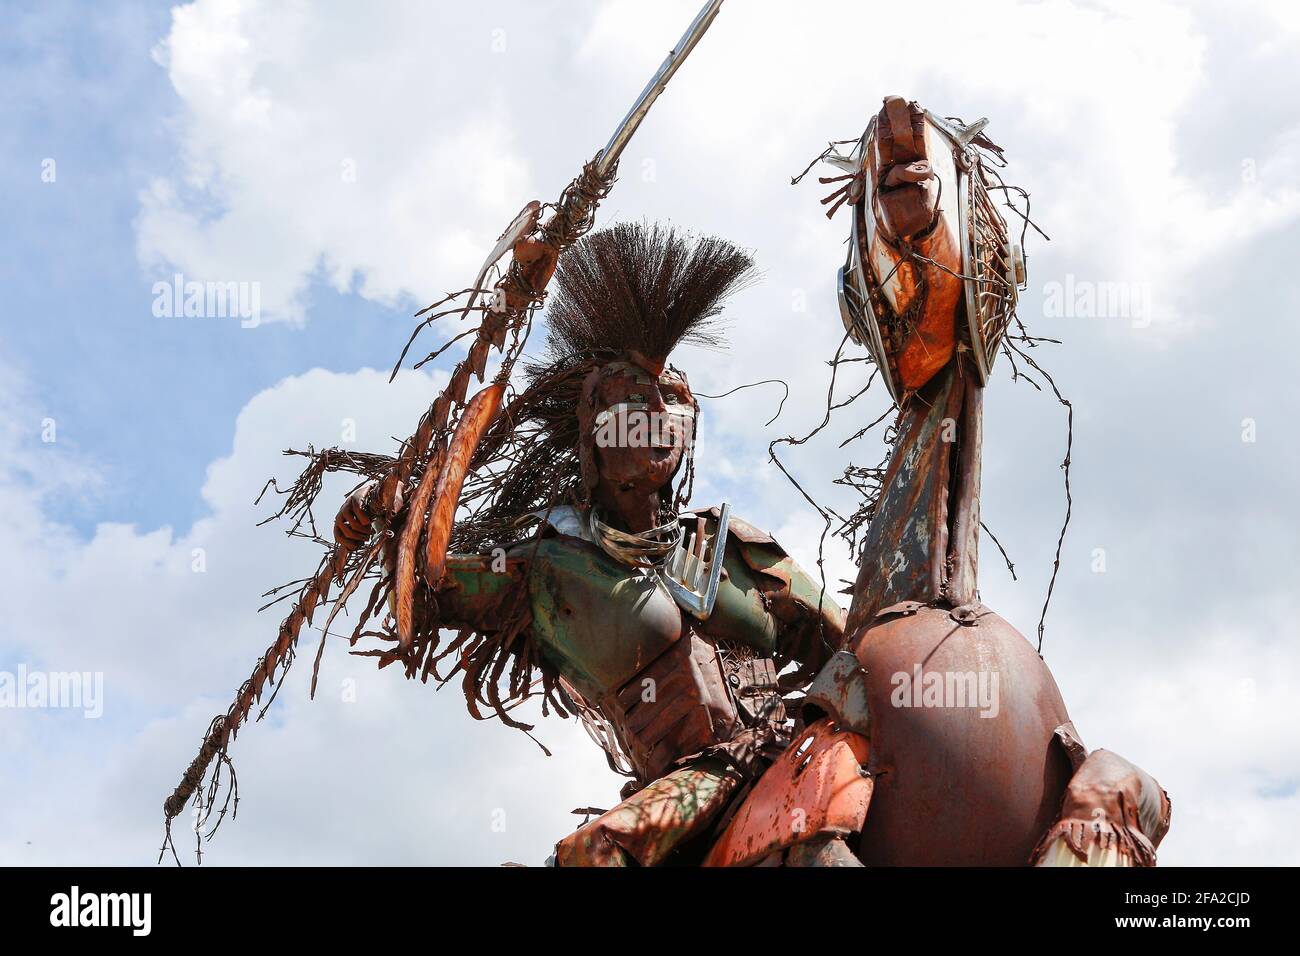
[(353, 525)]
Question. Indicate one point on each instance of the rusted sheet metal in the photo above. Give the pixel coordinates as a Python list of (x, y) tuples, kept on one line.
[(1110, 807), (678, 705), (645, 828), (839, 691), (923, 543), (597, 623), (962, 564), (744, 609), (903, 222), (737, 528), (473, 423), (537, 260), (816, 787), (932, 266), (1074, 748), (622, 642), (767, 589), (824, 851), (968, 769), (404, 586), (903, 552), (476, 591), (353, 524)]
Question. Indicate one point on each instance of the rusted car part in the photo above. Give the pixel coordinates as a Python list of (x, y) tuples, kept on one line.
[(693, 571), (967, 768), (927, 244), (669, 684), (649, 826), (408, 543), (816, 791), (840, 692), (469, 431), (922, 544), (836, 711)]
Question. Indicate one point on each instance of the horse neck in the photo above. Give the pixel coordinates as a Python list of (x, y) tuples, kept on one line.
[(922, 543)]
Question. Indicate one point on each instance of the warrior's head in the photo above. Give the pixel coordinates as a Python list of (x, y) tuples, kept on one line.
[(606, 422), (636, 426), (624, 299)]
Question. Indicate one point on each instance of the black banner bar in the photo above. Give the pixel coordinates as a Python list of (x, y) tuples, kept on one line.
[(259, 906)]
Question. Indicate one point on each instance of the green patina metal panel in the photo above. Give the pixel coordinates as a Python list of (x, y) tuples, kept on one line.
[(740, 613), (596, 622)]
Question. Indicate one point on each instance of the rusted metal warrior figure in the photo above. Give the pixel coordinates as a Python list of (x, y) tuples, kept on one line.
[(663, 628)]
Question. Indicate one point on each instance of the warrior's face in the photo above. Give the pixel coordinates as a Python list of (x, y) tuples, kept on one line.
[(640, 422)]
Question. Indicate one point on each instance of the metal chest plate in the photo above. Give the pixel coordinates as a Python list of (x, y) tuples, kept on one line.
[(598, 622), (601, 623)]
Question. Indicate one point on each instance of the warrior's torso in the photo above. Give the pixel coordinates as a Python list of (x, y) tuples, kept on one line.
[(669, 684)]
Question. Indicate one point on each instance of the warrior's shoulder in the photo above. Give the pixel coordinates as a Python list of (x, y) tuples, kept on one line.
[(737, 527), (764, 555), (738, 530)]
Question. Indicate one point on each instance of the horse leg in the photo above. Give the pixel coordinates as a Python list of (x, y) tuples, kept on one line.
[(1113, 814)]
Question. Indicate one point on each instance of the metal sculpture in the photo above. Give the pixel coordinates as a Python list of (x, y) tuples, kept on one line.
[(413, 495), (959, 726), (547, 526)]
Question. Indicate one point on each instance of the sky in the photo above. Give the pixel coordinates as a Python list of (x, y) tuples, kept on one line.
[(353, 162)]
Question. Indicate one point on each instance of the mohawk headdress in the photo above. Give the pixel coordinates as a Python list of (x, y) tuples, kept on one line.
[(632, 290)]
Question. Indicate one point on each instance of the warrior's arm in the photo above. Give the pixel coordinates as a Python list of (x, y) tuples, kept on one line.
[(481, 591), (813, 622), (810, 622)]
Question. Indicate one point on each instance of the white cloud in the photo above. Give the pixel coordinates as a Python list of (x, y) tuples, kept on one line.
[(1211, 718), (350, 148), (278, 104), (1088, 99)]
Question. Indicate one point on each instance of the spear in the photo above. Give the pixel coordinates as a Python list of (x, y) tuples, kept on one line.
[(536, 246), (535, 258)]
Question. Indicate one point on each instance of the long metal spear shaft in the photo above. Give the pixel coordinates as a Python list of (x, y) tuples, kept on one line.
[(578, 204), (676, 57)]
